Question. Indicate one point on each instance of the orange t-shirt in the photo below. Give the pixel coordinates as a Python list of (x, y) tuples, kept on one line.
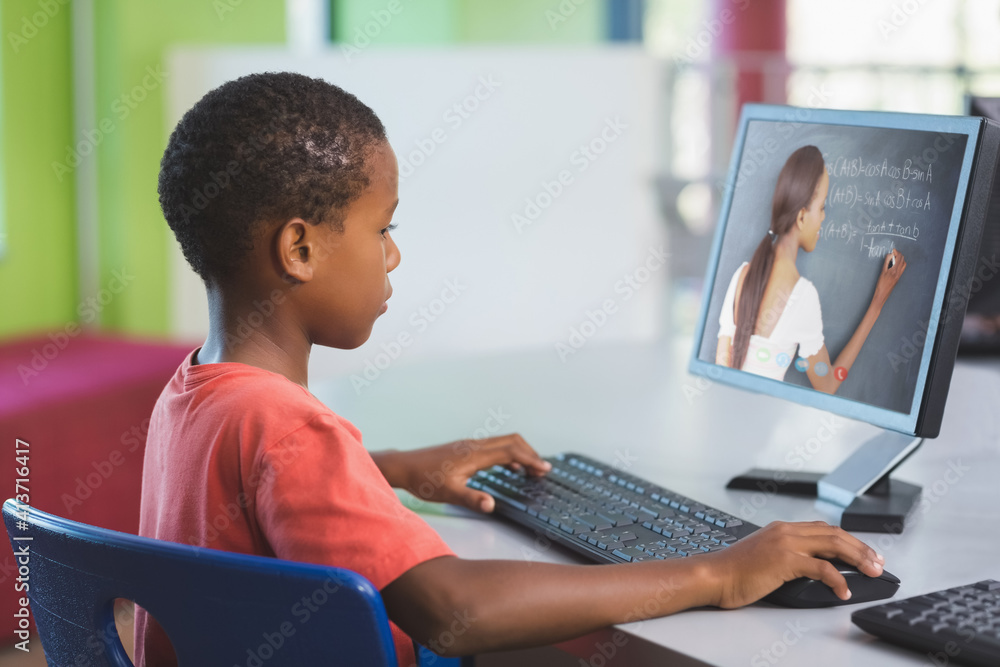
[(242, 459)]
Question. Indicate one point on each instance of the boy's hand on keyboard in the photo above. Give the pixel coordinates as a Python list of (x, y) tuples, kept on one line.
[(440, 473), (780, 552)]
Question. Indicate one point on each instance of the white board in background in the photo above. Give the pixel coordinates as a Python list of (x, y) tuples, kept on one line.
[(538, 106)]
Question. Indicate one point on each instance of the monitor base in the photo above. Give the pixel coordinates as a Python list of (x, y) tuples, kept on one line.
[(882, 509), (860, 488)]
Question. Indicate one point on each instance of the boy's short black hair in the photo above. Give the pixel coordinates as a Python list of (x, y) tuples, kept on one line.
[(260, 149)]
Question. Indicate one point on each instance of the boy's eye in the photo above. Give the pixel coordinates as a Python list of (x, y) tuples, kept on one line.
[(387, 229)]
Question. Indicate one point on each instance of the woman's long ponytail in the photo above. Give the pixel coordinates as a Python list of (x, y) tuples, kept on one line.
[(793, 192), (751, 297)]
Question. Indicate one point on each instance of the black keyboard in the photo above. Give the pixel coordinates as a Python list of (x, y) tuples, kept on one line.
[(608, 515), (958, 625)]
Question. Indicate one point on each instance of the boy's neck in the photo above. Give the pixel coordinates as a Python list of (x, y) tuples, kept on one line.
[(240, 331)]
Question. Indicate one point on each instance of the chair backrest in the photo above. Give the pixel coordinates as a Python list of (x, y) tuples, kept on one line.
[(218, 608)]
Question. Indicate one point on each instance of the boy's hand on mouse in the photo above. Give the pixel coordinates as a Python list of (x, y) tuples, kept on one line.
[(758, 564), (440, 473)]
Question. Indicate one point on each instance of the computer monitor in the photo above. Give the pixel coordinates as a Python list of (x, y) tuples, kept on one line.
[(841, 267), (981, 328)]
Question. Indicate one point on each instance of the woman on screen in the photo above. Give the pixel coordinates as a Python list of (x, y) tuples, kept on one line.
[(770, 311)]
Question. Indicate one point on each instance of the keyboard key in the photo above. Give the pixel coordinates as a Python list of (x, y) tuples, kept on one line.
[(617, 519), (916, 604), (624, 536), (593, 522), (628, 553), (651, 511), (573, 527)]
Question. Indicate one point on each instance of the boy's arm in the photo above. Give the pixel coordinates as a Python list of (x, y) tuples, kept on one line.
[(439, 473), (456, 606)]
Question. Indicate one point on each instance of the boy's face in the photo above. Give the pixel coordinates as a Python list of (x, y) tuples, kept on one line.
[(351, 284)]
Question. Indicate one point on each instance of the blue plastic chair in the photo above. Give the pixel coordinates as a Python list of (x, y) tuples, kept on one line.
[(217, 607)]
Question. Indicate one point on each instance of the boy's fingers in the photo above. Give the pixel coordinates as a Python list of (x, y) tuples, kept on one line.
[(837, 543), (826, 572), (855, 552), (514, 451), (478, 501)]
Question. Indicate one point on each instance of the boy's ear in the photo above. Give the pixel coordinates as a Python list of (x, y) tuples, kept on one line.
[(295, 250)]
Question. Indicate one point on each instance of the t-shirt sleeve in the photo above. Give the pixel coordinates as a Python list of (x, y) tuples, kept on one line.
[(321, 499), (727, 324), (807, 323)]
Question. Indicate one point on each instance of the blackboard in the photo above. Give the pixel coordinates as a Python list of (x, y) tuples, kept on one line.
[(889, 188)]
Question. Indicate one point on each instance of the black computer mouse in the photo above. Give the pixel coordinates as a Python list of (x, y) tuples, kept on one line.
[(810, 593)]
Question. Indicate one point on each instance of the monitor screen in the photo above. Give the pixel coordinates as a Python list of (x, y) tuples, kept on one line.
[(831, 262)]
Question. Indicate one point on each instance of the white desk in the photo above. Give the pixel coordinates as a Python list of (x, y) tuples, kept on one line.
[(638, 404)]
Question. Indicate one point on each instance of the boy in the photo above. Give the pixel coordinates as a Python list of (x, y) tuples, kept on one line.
[(280, 189)]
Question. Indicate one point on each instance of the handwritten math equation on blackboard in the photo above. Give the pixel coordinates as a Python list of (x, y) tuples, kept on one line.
[(864, 197)]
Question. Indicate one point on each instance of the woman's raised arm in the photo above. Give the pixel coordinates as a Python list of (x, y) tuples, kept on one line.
[(830, 382)]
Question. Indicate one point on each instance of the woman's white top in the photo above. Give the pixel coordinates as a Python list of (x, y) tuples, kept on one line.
[(800, 325)]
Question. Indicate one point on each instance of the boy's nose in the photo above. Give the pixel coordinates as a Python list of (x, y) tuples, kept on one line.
[(392, 256)]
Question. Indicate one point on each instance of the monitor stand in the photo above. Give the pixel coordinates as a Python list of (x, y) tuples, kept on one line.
[(870, 500)]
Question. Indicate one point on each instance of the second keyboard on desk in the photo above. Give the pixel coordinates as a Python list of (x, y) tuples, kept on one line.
[(608, 515)]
